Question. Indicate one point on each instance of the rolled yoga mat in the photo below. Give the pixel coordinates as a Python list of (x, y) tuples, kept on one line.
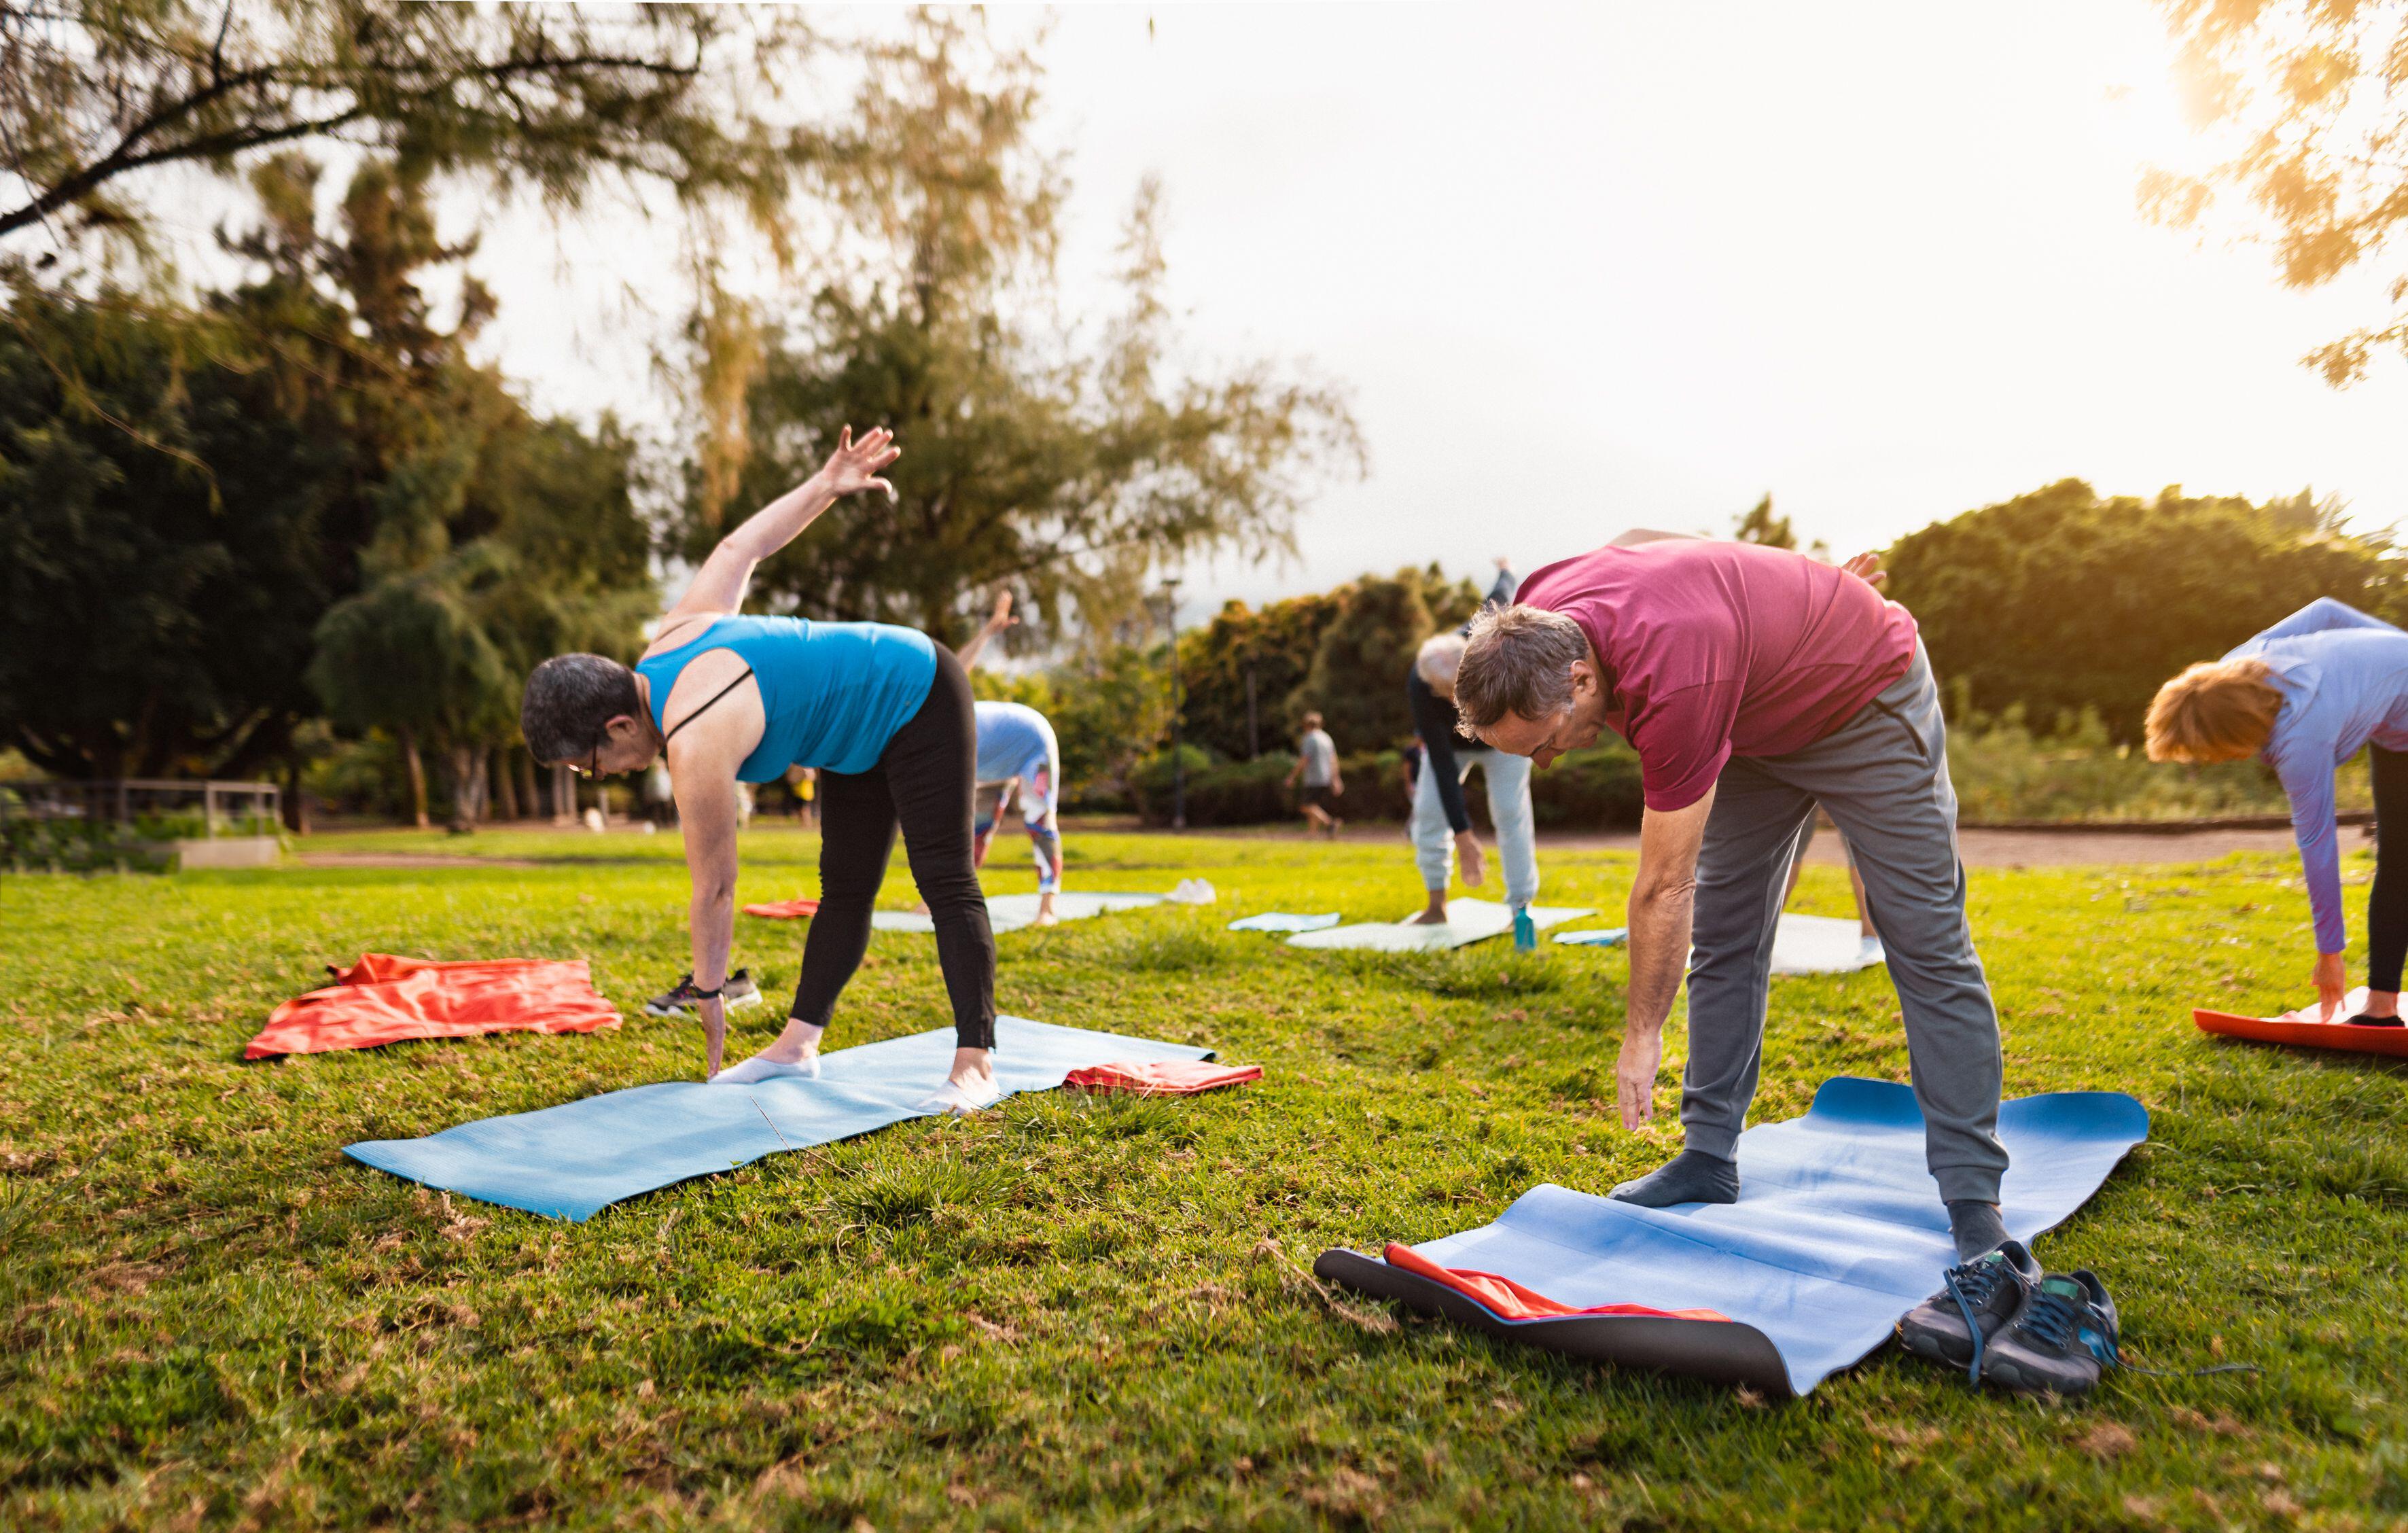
[(1836, 1233), (1466, 921), (1011, 913), (572, 1161)]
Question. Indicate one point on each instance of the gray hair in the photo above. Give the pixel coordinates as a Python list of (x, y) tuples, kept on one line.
[(569, 703), (1439, 659), (1518, 659)]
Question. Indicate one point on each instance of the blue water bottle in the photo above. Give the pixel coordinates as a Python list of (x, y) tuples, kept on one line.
[(1526, 933)]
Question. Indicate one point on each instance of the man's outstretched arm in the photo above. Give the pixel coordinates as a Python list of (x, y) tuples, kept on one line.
[(1661, 899)]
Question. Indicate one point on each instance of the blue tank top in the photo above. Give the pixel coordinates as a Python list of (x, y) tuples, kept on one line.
[(833, 693)]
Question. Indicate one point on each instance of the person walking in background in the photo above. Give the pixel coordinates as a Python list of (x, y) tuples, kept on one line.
[(1316, 770), (2304, 697), (1441, 824), (805, 783)]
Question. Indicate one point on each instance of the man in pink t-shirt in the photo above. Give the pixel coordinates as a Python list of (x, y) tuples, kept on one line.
[(1755, 683)]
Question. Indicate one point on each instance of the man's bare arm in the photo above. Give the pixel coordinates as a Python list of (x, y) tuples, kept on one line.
[(1660, 905)]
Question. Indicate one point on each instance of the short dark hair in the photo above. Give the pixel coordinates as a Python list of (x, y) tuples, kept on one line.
[(570, 700)]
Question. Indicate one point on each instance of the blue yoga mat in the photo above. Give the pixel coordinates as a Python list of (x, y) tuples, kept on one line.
[(1285, 921), (572, 1161), (1838, 1232)]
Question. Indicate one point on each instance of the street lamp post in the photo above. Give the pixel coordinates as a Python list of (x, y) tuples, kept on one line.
[(1178, 759)]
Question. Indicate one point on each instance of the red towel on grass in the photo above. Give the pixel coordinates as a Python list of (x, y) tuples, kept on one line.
[(384, 999), (1170, 1077), (784, 909), (1506, 1297)]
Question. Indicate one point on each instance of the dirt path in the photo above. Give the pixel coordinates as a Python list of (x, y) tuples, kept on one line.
[(1993, 848)]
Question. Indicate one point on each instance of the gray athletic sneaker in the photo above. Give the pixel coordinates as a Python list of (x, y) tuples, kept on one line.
[(2059, 1345), (1976, 1301), (739, 990)]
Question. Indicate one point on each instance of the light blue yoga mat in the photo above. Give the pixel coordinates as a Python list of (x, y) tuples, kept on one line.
[(570, 1162), (1836, 1233), (1285, 921), (1599, 937), (1011, 913)]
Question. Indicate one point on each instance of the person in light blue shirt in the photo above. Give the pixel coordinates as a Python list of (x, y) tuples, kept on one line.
[(2305, 696), (1018, 754)]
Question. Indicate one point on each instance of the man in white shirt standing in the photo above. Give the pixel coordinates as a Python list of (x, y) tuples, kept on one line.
[(1316, 765)]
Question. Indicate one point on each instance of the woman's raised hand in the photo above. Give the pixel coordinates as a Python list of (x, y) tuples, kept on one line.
[(1867, 568), (854, 467), (1001, 618)]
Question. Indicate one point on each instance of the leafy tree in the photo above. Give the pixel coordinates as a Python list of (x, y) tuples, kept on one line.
[(1357, 680), (163, 529), (1759, 525), (2312, 90), (1064, 466), (555, 97), (1274, 644), (2061, 601)]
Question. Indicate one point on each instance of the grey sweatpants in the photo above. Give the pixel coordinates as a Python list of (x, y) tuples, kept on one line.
[(1883, 777)]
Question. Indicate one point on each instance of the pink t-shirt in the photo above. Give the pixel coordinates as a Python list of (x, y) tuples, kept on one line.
[(1716, 650)]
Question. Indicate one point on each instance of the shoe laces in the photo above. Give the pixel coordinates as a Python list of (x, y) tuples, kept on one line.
[(2055, 1319), (1971, 1284)]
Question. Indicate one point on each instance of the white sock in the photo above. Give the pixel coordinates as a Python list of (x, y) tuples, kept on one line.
[(960, 1101), (757, 1068)]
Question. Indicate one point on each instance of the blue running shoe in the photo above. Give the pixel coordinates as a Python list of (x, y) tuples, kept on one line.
[(2064, 1339), (1976, 1301)]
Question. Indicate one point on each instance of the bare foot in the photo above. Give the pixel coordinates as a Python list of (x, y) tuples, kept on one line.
[(1045, 916), (1434, 916)]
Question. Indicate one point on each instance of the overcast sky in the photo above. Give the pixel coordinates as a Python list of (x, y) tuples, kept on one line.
[(1610, 265)]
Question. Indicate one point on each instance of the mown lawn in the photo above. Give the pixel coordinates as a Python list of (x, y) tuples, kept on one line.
[(1092, 1314)]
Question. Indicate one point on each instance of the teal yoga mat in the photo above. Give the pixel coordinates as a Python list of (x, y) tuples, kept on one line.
[(1838, 1232), (572, 1161)]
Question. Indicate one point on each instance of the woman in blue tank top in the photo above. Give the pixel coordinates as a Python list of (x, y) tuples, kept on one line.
[(883, 714)]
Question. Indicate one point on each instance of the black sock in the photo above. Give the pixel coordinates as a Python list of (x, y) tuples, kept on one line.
[(1690, 1177), (1976, 1227)]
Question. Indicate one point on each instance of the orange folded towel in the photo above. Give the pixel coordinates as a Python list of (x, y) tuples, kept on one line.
[(1170, 1077), (384, 999)]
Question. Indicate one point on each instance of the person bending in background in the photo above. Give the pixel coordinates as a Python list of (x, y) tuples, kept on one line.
[(1441, 824), (882, 712), (1316, 765), (1018, 754), (2304, 697)]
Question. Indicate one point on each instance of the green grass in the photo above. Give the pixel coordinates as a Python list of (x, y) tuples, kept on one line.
[(1075, 1313)]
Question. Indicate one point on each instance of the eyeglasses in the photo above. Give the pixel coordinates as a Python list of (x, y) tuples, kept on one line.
[(592, 769)]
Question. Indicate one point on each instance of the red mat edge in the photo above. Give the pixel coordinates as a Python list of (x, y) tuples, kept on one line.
[(2336, 1036)]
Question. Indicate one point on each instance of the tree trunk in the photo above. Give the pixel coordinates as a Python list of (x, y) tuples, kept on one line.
[(464, 765), (296, 800), (506, 786), (417, 778), (530, 803)]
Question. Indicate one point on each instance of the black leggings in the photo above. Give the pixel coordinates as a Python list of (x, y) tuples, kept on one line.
[(923, 779), (2387, 905)]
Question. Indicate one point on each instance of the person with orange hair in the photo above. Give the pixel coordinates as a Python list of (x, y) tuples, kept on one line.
[(2305, 696)]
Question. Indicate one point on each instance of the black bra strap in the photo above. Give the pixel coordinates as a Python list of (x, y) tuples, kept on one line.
[(706, 707)]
